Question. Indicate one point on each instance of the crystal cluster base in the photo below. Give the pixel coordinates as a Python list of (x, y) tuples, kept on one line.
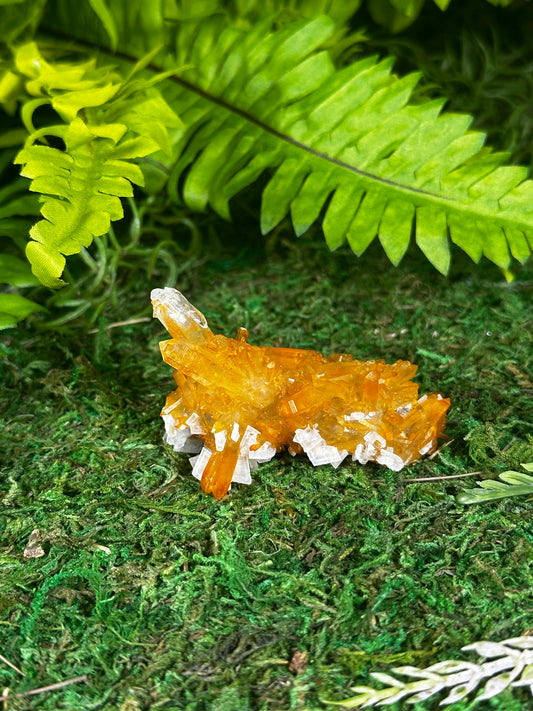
[(236, 405)]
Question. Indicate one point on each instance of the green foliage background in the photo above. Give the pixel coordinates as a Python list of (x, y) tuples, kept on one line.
[(194, 102)]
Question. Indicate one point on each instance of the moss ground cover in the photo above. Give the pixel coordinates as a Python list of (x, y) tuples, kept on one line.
[(292, 589)]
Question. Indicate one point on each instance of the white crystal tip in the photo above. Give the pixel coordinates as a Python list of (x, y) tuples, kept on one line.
[(179, 310)]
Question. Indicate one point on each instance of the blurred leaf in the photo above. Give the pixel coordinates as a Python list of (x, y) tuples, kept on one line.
[(16, 272), (107, 20), (18, 17), (14, 308)]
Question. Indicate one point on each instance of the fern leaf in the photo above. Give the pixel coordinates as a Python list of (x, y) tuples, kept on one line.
[(81, 188), (513, 667), (344, 146), (512, 484), (108, 124)]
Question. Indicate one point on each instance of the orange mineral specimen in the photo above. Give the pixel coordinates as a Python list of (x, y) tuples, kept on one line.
[(236, 405)]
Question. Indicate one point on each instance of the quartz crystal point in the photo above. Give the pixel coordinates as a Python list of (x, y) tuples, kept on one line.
[(236, 405)]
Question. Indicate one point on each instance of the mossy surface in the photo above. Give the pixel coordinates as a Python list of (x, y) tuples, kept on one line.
[(291, 590)]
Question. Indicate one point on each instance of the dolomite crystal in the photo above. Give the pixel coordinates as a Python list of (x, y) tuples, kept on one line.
[(236, 405)]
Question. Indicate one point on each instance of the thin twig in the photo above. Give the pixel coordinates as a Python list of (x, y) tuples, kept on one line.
[(9, 664), (53, 687), (117, 324), (440, 478)]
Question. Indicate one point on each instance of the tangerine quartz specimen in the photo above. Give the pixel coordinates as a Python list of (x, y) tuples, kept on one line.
[(236, 405)]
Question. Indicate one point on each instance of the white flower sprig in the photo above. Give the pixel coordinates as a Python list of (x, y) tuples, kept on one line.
[(512, 666)]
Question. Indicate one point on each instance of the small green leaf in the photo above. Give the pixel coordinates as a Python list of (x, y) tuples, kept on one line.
[(279, 193), (46, 264), (467, 235), (212, 160), (364, 226), (343, 205), (395, 229), (386, 12), (495, 246), (14, 308), (135, 148), (432, 236), (517, 243), (15, 272), (306, 207)]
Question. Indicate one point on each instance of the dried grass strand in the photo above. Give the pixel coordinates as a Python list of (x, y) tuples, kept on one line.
[(10, 664)]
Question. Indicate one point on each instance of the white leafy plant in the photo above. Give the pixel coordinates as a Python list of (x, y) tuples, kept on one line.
[(511, 666)]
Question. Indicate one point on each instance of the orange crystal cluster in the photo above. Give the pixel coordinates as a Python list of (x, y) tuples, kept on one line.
[(236, 405)]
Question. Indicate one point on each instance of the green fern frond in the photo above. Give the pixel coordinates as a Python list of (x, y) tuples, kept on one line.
[(512, 484), (82, 186), (109, 124), (344, 146)]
